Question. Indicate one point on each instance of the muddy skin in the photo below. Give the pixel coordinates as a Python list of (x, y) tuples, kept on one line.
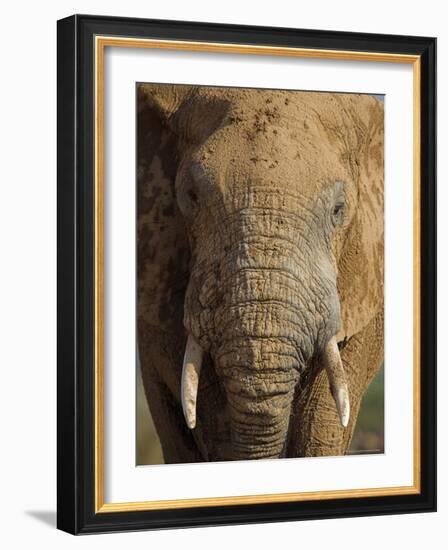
[(260, 235)]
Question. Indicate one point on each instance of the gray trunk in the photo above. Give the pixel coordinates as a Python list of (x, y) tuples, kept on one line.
[(260, 381)]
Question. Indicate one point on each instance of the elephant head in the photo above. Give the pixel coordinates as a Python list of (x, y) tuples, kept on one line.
[(270, 204)]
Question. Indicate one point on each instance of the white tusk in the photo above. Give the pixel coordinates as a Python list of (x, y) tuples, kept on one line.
[(338, 382), (190, 380)]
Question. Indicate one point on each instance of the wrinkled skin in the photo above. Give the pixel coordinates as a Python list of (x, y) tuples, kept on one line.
[(260, 234)]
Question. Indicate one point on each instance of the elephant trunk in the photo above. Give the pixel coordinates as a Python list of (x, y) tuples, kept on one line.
[(262, 313), (258, 424), (260, 376)]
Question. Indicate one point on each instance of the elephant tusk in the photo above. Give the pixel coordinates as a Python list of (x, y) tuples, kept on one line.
[(190, 380), (338, 382)]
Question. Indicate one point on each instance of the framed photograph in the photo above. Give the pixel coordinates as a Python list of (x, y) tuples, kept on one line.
[(246, 274)]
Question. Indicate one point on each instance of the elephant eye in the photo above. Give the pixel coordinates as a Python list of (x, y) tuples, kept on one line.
[(193, 196), (338, 211), (338, 207)]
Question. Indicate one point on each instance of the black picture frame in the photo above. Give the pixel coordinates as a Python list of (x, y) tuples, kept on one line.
[(76, 301)]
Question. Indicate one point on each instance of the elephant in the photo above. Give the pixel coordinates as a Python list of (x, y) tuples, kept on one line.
[(260, 245)]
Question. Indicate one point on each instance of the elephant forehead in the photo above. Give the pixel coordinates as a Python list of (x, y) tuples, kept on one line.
[(281, 158), (297, 128)]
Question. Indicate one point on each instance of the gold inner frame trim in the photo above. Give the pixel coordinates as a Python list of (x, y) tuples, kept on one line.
[(101, 42)]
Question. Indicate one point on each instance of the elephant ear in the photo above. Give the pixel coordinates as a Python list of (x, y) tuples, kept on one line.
[(171, 120), (162, 247), (361, 259)]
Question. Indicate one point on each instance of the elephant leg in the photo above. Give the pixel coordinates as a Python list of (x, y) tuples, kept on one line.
[(178, 446), (317, 430), (161, 382)]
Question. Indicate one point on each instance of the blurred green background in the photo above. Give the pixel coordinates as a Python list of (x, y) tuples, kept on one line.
[(369, 431), (368, 436), (148, 450)]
